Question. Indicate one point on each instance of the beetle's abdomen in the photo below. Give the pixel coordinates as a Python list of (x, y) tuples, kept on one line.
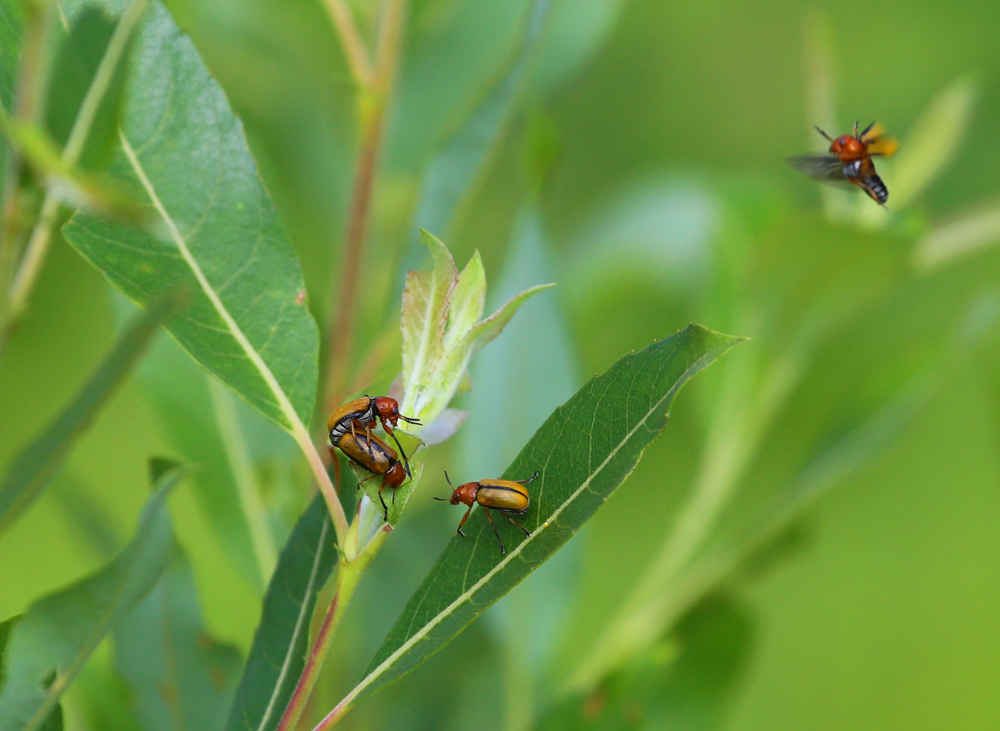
[(876, 188), (360, 410), (504, 495)]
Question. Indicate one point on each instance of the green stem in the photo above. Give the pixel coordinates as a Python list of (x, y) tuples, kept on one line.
[(41, 235), (354, 46), (30, 87), (348, 576)]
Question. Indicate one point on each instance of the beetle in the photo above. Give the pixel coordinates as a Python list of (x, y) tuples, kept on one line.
[(361, 413), (377, 457), (505, 496), (850, 160)]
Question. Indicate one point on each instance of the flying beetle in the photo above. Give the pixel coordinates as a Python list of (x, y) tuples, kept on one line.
[(505, 496), (850, 160), (362, 413), (385, 462)]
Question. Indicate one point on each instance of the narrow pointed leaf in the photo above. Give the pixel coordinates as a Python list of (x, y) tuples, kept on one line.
[(11, 25), (179, 676), (455, 172), (280, 645), (583, 452), (425, 309), (467, 301), (50, 644), (688, 683), (55, 720), (182, 154), (493, 325), (32, 469)]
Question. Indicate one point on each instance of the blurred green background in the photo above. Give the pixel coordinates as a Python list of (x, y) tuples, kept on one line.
[(643, 172)]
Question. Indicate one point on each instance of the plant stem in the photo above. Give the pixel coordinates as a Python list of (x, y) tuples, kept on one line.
[(26, 105), (348, 576), (340, 525), (354, 46), (41, 235), (374, 104)]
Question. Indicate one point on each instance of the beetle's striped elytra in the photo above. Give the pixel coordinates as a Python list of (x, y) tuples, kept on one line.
[(378, 458)]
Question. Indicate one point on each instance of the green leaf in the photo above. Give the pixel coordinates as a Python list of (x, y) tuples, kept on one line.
[(53, 640), (455, 172), (80, 55), (183, 153), (685, 682), (933, 141), (452, 55), (32, 469), (440, 329), (180, 677), (962, 237), (11, 31), (190, 405), (282, 639), (583, 452)]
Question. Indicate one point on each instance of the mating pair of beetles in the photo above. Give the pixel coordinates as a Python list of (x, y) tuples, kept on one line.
[(350, 429)]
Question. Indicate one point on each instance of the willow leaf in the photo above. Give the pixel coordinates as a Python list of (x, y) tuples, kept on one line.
[(281, 643), (182, 153), (51, 642), (32, 469)]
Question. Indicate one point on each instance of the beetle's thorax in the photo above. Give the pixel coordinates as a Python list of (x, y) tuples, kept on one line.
[(848, 146), (465, 494)]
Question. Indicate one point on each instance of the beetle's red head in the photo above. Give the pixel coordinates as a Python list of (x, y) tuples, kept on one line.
[(388, 410), (462, 494), (396, 476)]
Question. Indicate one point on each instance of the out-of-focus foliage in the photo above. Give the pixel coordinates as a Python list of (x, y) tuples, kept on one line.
[(632, 153)]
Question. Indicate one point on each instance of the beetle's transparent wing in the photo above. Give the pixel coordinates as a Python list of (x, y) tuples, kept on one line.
[(823, 168)]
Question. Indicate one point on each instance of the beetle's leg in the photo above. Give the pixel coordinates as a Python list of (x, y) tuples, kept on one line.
[(406, 461), (354, 434), (368, 434), (503, 548), (464, 518), (384, 506), (366, 479), (526, 531), (525, 482)]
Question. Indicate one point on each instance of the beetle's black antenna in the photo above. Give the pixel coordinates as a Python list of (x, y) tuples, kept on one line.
[(824, 134), (856, 130), (448, 478)]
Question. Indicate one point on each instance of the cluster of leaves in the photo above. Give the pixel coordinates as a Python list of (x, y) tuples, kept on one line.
[(201, 250)]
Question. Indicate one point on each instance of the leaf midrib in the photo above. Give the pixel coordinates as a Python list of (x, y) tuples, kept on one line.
[(295, 424), (466, 595)]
